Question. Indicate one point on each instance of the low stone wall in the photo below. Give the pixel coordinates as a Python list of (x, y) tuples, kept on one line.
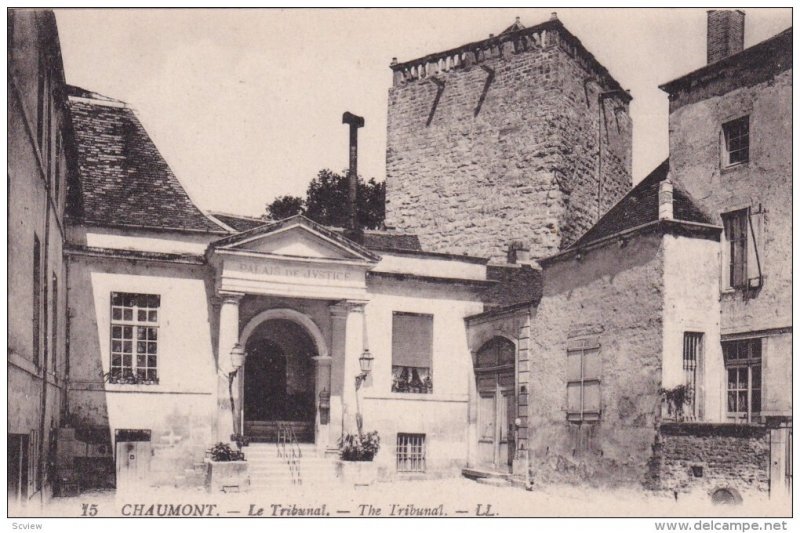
[(690, 457)]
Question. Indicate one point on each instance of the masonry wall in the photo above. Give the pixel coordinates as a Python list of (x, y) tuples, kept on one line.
[(691, 305), (181, 410), (763, 185), (37, 183), (616, 295), (708, 457), (508, 151), (441, 415)]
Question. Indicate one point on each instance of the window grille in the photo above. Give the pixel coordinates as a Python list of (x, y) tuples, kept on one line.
[(410, 452), (692, 346)]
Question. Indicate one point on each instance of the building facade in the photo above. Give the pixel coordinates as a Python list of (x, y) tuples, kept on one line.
[(39, 176), (526, 313), (730, 145)]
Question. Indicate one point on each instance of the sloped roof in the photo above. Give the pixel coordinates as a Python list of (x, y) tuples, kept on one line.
[(388, 241), (773, 54), (238, 222), (124, 179), (640, 206)]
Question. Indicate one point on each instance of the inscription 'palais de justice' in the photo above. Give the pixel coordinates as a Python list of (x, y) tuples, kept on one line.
[(294, 272)]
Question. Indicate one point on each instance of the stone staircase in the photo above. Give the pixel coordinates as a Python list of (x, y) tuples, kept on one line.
[(269, 471)]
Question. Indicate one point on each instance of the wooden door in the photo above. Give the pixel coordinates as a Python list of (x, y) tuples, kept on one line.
[(133, 464), (496, 414), (487, 428)]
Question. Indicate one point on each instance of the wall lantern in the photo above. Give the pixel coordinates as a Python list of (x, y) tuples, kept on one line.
[(324, 406), (237, 356), (365, 362)]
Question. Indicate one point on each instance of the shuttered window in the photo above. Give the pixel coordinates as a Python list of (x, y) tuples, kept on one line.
[(736, 236), (583, 379), (412, 353)]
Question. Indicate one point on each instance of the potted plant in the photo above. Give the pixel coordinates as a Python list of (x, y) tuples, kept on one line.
[(676, 398), (226, 470), (356, 454)]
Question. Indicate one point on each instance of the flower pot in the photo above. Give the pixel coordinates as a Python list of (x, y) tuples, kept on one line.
[(227, 476), (359, 473)]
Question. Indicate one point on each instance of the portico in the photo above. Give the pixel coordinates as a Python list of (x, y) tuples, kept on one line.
[(291, 329)]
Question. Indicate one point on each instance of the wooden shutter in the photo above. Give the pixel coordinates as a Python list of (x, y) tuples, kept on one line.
[(755, 248)]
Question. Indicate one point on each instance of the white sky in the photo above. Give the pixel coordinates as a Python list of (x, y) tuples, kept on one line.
[(246, 105)]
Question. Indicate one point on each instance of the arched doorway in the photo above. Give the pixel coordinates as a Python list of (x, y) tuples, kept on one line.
[(494, 374), (279, 381)]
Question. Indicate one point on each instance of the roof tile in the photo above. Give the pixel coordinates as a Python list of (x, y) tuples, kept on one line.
[(125, 180)]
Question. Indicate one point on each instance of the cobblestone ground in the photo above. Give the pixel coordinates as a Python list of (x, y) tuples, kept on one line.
[(452, 498)]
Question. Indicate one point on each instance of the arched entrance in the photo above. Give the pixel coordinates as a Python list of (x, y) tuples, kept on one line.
[(279, 380), (494, 374)]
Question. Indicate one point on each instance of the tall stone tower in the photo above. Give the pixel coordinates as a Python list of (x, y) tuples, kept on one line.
[(522, 136)]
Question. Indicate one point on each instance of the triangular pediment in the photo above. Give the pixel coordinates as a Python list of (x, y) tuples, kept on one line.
[(296, 237)]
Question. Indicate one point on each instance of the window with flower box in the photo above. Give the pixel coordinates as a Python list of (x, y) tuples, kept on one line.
[(412, 348), (134, 338)]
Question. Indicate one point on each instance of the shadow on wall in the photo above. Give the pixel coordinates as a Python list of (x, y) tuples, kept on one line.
[(85, 457)]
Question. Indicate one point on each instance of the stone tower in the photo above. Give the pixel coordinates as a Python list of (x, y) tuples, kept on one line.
[(523, 136)]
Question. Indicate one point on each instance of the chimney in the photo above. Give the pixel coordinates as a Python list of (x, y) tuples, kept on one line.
[(518, 252), (665, 211), (725, 35), (353, 230)]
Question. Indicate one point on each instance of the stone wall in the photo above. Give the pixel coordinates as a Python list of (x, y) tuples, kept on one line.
[(708, 457), (616, 298), (505, 149)]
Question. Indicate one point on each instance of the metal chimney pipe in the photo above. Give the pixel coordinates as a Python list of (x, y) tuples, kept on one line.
[(355, 122)]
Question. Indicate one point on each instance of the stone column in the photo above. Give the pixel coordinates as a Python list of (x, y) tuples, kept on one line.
[(347, 336), (228, 337)]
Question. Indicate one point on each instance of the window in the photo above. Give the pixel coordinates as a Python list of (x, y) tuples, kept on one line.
[(743, 366), (54, 327), (412, 346), (583, 380), (57, 175), (134, 338), (497, 352), (736, 235), (736, 136), (410, 452), (692, 365), (37, 297)]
